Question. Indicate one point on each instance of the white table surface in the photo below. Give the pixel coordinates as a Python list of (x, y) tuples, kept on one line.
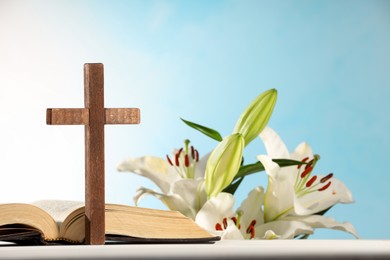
[(276, 249)]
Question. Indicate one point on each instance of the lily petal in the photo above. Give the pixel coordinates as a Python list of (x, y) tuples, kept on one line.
[(279, 199), (215, 210), (251, 207), (284, 229), (318, 221), (321, 200), (303, 150), (274, 145), (231, 232), (153, 168), (191, 191), (172, 201), (200, 169)]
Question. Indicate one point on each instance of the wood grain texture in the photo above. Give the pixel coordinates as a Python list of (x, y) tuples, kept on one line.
[(115, 116), (94, 154), (80, 116), (67, 116)]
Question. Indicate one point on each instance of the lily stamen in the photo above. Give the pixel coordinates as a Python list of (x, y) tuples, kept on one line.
[(301, 181), (325, 187), (307, 171), (177, 155), (192, 152), (225, 224), (218, 227), (304, 184), (169, 160), (251, 229), (311, 181), (327, 177), (185, 160), (303, 160)]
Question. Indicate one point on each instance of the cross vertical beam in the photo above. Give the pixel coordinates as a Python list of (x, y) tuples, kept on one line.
[(94, 154), (93, 116)]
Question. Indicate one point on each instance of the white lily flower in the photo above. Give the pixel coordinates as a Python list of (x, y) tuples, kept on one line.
[(180, 179), (217, 217), (289, 206), (293, 195)]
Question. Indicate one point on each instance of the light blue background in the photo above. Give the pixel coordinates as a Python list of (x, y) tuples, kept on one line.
[(203, 61)]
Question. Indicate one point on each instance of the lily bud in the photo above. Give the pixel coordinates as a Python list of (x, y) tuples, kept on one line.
[(224, 163), (256, 116)]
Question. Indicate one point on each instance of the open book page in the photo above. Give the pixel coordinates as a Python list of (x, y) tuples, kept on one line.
[(58, 209)]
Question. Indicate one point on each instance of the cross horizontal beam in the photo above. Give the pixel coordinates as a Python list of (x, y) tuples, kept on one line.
[(80, 116)]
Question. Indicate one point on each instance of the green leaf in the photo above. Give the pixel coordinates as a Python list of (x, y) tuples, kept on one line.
[(205, 130), (287, 162), (256, 116), (258, 167), (249, 169), (223, 164), (233, 186)]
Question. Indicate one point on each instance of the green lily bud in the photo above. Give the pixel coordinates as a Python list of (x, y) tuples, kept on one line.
[(256, 116), (224, 163)]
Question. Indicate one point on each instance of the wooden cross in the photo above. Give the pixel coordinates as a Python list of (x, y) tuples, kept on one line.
[(94, 116)]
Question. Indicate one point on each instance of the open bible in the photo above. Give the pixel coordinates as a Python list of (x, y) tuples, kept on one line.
[(62, 222)]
